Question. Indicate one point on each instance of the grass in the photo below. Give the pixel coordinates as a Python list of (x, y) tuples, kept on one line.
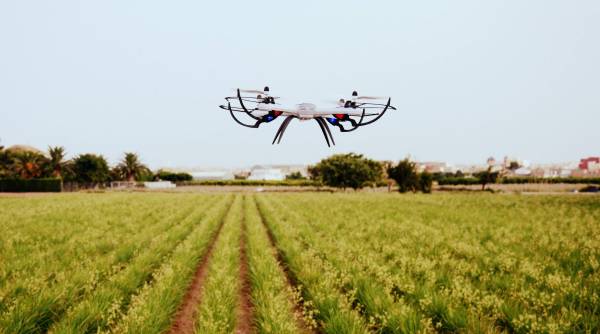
[(358, 263)]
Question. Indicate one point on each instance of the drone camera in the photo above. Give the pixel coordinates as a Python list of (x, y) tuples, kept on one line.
[(266, 88), (354, 93)]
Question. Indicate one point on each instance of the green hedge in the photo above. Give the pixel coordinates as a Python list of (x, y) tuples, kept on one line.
[(173, 177), (35, 185), (297, 183), (555, 180), (453, 181)]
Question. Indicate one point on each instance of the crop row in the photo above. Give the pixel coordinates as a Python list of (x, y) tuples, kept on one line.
[(299, 263), (91, 292), (452, 263)]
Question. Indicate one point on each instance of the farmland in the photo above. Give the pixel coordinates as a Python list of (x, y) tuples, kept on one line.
[(299, 263)]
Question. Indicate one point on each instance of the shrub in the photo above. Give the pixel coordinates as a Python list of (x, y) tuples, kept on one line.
[(426, 182), (173, 177), (405, 175), (295, 176)]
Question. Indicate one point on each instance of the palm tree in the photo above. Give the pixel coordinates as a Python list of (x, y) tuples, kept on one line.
[(5, 162), (57, 163), (28, 165), (131, 167)]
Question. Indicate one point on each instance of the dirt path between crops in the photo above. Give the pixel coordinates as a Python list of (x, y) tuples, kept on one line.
[(185, 318), (292, 280), (245, 309)]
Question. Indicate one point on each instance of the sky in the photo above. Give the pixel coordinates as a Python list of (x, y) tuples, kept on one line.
[(470, 79)]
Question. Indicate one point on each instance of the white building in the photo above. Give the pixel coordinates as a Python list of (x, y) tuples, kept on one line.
[(262, 173), (523, 171), (159, 185), (213, 175)]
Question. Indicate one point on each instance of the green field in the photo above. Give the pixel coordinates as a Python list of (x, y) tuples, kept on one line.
[(299, 263)]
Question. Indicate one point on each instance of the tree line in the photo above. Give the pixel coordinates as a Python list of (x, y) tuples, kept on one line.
[(87, 169), (340, 171)]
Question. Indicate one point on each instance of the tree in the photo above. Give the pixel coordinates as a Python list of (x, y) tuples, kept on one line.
[(28, 165), (405, 175), (91, 169), (5, 163), (131, 168), (56, 163), (347, 171), (487, 176)]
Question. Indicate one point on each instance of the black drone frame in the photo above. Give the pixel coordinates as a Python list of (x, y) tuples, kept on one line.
[(335, 121)]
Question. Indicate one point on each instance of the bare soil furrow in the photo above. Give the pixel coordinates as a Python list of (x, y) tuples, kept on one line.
[(245, 309), (185, 318), (292, 280)]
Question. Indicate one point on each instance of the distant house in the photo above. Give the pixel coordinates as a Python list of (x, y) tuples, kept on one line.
[(264, 173), (522, 172), (590, 164), (565, 172), (215, 175), (23, 148), (434, 167)]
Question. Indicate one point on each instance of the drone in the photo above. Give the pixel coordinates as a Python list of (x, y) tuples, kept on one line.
[(349, 114)]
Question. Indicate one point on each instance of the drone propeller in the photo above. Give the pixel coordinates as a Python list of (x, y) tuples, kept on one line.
[(370, 98), (265, 91), (252, 91)]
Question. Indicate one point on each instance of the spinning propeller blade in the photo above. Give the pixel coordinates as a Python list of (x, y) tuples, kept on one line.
[(254, 91), (265, 91), (370, 98)]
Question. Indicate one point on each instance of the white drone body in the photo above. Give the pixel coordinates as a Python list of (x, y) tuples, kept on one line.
[(263, 108), (303, 111)]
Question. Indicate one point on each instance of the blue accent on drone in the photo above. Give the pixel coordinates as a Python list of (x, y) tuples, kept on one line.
[(332, 120), (269, 118)]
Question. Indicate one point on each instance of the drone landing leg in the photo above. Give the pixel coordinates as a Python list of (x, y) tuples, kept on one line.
[(322, 121), (323, 130), (282, 128)]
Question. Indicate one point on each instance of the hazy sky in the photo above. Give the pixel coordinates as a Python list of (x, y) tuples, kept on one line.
[(470, 78)]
